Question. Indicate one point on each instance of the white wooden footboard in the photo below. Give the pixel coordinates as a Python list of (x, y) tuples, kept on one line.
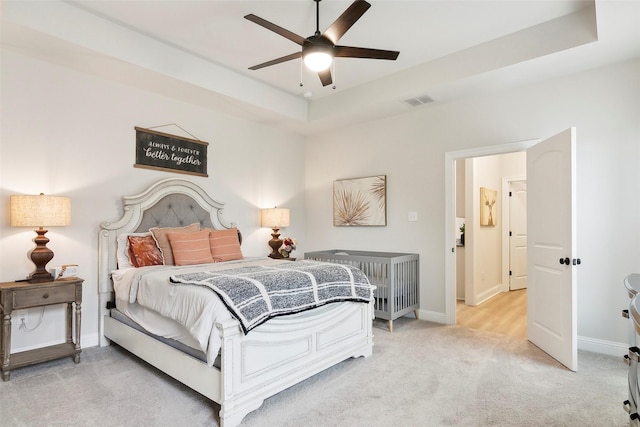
[(271, 358), (287, 350)]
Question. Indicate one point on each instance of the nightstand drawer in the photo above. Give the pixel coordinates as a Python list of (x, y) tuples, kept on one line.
[(44, 296)]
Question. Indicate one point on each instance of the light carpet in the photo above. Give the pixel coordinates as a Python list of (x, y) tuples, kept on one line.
[(422, 374)]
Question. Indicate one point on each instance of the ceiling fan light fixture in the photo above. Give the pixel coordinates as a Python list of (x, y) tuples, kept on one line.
[(317, 60), (319, 49)]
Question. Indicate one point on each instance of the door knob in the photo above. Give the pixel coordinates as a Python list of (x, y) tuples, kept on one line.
[(565, 261)]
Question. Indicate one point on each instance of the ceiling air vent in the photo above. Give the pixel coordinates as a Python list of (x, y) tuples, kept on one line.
[(418, 100)]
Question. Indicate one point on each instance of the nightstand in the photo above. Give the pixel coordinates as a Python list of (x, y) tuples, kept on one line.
[(23, 295)]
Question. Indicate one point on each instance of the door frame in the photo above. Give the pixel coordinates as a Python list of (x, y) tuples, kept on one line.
[(450, 158), (506, 185)]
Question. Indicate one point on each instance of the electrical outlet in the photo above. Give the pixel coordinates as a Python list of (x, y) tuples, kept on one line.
[(412, 216)]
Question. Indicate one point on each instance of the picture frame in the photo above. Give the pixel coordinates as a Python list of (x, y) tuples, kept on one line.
[(360, 201), (488, 208)]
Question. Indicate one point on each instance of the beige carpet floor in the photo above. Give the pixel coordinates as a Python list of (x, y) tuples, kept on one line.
[(422, 374)]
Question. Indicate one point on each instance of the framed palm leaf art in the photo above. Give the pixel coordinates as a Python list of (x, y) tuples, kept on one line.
[(360, 201), (488, 199)]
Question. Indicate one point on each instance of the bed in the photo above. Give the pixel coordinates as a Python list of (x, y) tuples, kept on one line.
[(240, 367)]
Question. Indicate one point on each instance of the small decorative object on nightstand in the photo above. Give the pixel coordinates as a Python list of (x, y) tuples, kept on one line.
[(24, 295), (288, 245)]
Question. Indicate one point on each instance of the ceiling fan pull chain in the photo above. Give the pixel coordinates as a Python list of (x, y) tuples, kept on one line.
[(301, 72), (335, 76)]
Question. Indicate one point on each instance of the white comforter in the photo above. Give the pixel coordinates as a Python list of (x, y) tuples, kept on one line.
[(196, 308)]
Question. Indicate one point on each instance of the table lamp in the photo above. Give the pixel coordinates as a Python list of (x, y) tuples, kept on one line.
[(40, 211), (274, 218)]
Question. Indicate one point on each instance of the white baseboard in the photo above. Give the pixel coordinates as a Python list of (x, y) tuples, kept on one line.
[(432, 316), (604, 347), (86, 341), (488, 294)]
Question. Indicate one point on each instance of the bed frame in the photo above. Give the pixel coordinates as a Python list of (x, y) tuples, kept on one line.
[(276, 355)]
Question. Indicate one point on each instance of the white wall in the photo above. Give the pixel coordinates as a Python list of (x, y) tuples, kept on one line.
[(604, 106), (68, 133)]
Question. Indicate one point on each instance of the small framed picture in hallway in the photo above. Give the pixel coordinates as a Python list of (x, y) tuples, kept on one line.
[(488, 199)]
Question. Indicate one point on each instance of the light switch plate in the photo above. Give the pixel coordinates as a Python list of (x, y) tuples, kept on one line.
[(413, 216)]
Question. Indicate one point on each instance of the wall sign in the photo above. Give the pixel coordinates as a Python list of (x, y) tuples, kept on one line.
[(161, 151)]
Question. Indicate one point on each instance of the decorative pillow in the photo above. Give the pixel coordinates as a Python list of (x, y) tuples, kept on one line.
[(190, 248), (225, 245), (143, 251), (122, 249), (160, 234)]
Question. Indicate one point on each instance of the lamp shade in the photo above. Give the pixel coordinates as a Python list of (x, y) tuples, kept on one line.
[(274, 218), (40, 211)]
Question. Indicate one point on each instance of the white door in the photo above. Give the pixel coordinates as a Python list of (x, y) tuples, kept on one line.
[(551, 294), (517, 235)]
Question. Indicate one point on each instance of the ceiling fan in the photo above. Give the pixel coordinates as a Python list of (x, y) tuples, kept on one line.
[(319, 49)]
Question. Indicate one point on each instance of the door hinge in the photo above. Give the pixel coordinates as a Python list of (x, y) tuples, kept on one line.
[(509, 193), (510, 272), (577, 261), (510, 234)]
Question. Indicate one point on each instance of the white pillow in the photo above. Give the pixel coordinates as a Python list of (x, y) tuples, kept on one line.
[(122, 249)]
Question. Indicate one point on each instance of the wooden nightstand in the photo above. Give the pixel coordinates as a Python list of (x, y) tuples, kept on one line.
[(23, 295)]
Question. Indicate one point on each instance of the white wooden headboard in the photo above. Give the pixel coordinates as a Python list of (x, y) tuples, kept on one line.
[(171, 202)]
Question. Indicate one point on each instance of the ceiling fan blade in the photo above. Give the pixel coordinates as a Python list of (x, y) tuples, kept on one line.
[(276, 29), (362, 52), (346, 20), (325, 77), (277, 61)]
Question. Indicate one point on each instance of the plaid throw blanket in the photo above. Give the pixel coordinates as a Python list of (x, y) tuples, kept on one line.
[(254, 294)]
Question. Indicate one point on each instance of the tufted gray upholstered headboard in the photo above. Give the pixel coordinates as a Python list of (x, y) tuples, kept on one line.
[(168, 203), (174, 210)]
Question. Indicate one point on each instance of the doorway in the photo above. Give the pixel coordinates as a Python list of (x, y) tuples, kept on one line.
[(485, 265), (450, 214)]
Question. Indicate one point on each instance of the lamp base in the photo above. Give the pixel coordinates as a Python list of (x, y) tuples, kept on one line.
[(39, 277), (275, 244), (40, 256)]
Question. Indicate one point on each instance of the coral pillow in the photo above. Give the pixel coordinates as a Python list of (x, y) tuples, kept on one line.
[(190, 248), (160, 234), (143, 251), (225, 245)]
